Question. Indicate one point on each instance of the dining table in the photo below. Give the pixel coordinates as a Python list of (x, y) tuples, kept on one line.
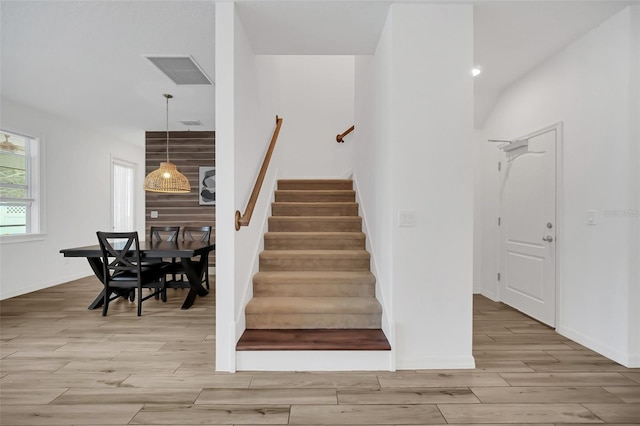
[(193, 255)]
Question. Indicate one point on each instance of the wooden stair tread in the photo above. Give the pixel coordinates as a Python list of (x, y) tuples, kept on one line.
[(313, 339)]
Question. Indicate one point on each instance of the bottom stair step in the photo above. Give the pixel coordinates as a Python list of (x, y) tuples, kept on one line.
[(313, 339)]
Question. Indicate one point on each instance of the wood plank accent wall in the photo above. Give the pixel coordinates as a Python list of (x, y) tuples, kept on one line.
[(187, 150)]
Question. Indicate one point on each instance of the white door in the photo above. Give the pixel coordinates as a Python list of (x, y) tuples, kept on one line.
[(528, 226)]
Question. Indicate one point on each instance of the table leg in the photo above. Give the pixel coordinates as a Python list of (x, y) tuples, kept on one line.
[(96, 265), (194, 270)]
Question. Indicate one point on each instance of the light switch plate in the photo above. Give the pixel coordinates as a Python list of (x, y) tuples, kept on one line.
[(154, 214), (592, 217), (406, 219)]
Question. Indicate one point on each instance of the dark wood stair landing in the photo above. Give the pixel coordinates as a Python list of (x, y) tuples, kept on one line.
[(313, 340)]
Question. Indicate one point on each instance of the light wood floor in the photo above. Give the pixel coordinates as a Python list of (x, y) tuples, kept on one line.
[(64, 365)]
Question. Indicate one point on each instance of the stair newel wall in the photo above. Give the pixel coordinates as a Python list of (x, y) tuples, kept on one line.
[(414, 156), (382, 291)]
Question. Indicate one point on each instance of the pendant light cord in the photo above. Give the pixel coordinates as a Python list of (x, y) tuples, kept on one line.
[(168, 97)]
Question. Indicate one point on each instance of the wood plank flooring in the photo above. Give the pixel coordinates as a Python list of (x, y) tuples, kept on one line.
[(61, 364)]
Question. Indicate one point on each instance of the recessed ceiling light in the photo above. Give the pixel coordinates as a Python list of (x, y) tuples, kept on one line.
[(475, 71)]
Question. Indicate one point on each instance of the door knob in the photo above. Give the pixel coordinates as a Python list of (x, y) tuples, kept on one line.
[(548, 238)]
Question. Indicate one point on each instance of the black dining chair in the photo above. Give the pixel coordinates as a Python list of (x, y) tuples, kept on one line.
[(123, 269), (190, 233), (198, 233), (163, 233)]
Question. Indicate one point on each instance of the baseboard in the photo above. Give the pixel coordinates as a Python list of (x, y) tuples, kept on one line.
[(436, 363), (43, 285), (627, 360), (489, 295), (313, 360), (634, 361)]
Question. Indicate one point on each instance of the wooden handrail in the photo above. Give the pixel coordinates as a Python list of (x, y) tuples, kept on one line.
[(340, 137), (244, 219)]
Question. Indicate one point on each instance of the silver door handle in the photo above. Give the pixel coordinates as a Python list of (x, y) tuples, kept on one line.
[(548, 238)]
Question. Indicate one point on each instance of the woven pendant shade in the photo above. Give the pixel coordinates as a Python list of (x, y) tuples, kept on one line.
[(167, 178)]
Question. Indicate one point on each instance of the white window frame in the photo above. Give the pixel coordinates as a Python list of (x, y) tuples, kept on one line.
[(35, 209), (133, 167)]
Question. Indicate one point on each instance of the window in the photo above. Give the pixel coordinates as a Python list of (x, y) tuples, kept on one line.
[(19, 185), (122, 195)]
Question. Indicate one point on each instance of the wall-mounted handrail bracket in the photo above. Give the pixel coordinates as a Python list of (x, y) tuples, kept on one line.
[(340, 137), (244, 219)]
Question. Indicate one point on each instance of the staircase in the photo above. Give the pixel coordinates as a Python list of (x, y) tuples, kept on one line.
[(314, 273)]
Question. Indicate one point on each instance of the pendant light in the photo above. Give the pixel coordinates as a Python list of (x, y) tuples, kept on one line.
[(167, 178), (8, 145)]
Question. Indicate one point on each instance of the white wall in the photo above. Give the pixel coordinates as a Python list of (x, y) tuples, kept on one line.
[(225, 181), (255, 112), (316, 100), (418, 158), (372, 168), (592, 87), (77, 187), (634, 193)]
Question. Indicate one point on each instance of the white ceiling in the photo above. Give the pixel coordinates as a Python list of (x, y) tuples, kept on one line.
[(84, 59)]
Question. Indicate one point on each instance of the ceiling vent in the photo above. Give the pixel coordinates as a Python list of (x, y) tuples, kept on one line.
[(191, 122), (183, 70)]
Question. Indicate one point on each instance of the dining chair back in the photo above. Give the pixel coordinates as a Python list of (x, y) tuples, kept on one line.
[(123, 269), (164, 233), (196, 233)]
